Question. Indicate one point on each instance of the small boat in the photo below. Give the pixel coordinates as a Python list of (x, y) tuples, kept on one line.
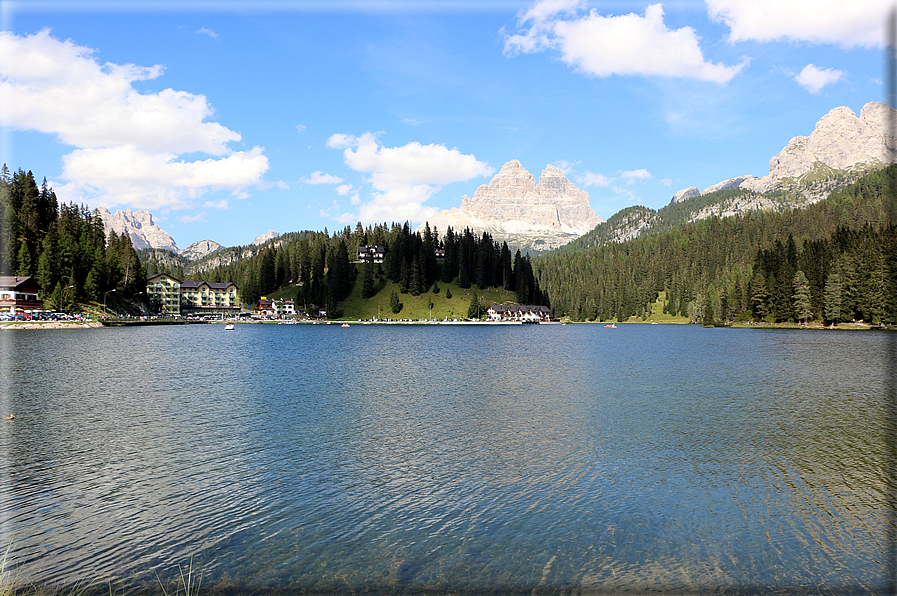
[(611, 326), (345, 324), (229, 327)]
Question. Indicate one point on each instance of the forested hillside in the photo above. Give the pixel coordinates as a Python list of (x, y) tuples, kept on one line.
[(834, 260), (633, 222), (319, 264), (63, 246)]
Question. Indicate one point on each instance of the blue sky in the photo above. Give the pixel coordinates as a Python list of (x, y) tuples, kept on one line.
[(227, 119)]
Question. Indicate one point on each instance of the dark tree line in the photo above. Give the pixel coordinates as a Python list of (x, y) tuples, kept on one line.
[(64, 247), (468, 260), (320, 264), (760, 265)]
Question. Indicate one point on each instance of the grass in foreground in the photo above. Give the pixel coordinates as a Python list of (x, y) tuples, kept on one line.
[(187, 583)]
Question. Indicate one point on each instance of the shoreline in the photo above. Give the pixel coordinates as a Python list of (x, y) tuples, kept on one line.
[(795, 326), (52, 325)]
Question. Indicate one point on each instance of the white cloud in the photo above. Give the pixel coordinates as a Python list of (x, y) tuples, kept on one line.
[(404, 177), (300, 128), (343, 190), (320, 177), (345, 218), (127, 142), (192, 218), (630, 197), (566, 166), (208, 32), (616, 45), (857, 23), (222, 204), (666, 182), (813, 78), (632, 175), (130, 176), (593, 179)]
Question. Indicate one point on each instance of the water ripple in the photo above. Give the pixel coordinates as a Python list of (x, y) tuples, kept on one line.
[(395, 459)]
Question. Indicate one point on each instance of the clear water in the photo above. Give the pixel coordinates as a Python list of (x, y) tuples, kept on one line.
[(410, 459)]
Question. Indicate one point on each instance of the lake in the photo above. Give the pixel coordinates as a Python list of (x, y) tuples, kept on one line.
[(400, 459)]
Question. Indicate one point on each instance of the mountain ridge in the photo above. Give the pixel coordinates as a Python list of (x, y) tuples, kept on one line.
[(530, 215), (540, 216)]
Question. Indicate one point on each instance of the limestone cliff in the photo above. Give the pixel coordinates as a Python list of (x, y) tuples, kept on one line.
[(841, 148), (261, 239), (197, 250), (140, 227), (515, 208)]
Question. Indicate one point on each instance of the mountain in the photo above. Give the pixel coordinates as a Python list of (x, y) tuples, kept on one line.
[(842, 148), (513, 207), (265, 237), (197, 250), (140, 227)]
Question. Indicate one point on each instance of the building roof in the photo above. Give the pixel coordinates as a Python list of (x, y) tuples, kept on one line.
[(18, 282), (503, 308), (192, 285), (155, 275)]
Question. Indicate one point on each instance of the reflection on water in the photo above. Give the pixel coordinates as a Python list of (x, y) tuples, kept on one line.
[(404, 458)]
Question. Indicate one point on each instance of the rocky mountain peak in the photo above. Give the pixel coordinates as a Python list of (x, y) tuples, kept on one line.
[(840, 141), (265, 237), (139, 226), (200, 249), (516, 208)]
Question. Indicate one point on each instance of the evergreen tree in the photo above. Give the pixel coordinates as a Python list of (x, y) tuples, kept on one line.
[(759, 297), (801, 297), (24, 259), (92, 285), (708, 318), (416, 284), (474, 309), (394, 303), (832, 299), (338, 275), (367, 288)]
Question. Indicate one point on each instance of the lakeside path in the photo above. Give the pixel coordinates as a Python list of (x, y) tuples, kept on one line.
[(53, 325)]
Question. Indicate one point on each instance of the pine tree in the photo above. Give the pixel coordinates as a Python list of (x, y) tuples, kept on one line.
[(801, 297), (759, 297), (416, 282), (24, 259), (709, 319), (474, 310), (367, 288), (832, 299), (394, 303)]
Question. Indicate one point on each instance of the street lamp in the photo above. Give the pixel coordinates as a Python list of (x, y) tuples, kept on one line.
[(68, 288), (104, 301)]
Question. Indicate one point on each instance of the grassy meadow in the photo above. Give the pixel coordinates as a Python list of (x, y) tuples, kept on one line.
[(356, 308)]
